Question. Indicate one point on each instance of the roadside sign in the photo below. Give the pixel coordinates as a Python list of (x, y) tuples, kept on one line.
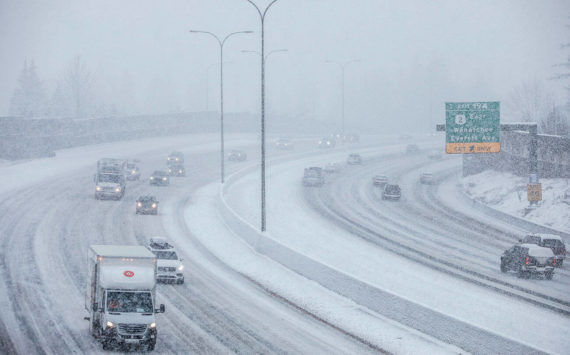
[(534, 192), (472, 127)]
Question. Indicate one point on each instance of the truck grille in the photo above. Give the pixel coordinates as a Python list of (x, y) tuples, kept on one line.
[(166, 268), (131, 328)]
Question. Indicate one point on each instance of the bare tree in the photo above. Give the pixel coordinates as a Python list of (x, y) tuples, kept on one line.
[(530, 101), (555, 123), (28, 99)]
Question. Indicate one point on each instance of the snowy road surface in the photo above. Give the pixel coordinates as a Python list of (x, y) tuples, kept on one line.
[(236, 299)]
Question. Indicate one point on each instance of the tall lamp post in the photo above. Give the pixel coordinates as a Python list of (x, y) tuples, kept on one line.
[(342, 68), (262, 17), (221, 42)]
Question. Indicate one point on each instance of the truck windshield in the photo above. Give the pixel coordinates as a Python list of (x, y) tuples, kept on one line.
[(116, 179), (167, 255), (129, 302)]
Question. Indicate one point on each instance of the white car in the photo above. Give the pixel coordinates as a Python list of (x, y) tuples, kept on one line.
[(331, 168), (169, 264), (354, 159)]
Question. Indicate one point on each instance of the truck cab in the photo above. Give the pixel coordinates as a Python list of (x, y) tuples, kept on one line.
[(121, 296)]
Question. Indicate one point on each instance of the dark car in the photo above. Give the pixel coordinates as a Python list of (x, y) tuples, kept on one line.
[(175, 158), (147, 205), (412, 149), (237, 155), (552, 241), (327, 143), (176, 170), (391, 192), (527, 260), (313, 177), (133, 171), (159, 178)]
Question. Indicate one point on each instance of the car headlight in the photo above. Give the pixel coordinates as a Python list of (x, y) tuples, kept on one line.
[(169, 171), (152, 177), (328, 143), (110, 324), (139, 204), (179, 171), (176, 159), (97, 188), (118, 189), (133, 172), (180, 267), (154, 205), (164, 178), (152, 325)]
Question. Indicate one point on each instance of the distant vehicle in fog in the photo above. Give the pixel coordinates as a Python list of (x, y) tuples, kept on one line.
[(147, 204), (352, 138), (159, 178), (313, 176), (176, 170), (435, 155), (331, 168), (133, 171), (391, 192), (237, 155), (284, 144), (426, 178), (326, 143), (175, 158), (379, 180), (169, 265), (354, 159)]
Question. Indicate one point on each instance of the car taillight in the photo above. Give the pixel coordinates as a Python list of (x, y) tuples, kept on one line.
[(526, 260), (554, 262)]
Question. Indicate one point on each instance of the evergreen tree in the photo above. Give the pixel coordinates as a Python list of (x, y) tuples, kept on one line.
[(28, 99)]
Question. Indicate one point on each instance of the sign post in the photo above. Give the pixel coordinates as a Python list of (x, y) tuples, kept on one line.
[(472, 127)]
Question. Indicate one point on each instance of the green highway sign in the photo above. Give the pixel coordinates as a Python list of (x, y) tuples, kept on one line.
[(472, 127)]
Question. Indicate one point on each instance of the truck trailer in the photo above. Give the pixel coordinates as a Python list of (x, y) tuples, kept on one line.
[(121, 296), (110, 178)]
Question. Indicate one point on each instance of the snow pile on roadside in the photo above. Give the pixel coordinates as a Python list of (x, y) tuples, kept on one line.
[(507, 193)]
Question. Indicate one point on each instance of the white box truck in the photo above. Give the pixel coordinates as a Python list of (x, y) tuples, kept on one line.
[(121, 296), (110, 179)]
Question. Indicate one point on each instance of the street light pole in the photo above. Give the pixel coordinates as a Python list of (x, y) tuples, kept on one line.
[(262, 17), (221, 42), (342, 68)]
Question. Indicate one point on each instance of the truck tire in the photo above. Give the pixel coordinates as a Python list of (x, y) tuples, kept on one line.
[(548, 275)]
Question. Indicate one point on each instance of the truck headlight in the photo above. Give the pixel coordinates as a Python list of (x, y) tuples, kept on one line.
[(97, 188), (154, 205), (179, 171), (139, 204), (164, 178), (133, 172), (152, 177), (181, 267), (118, 189), (110, 324), (152, 325)]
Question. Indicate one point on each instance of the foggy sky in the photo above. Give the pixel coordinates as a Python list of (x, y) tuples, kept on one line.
[(414, 55)]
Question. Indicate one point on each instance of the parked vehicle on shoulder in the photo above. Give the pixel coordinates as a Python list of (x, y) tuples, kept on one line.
[(237, 155), (412, 149), (159, 178), (391, 192), (284, 144), (426, 178), (147, 204), (527, 260), (354, 159), (313, 176), (175, 158), (379, 180), (331, 168), (133, 171), (552, 241), (121, 296), (176, 170), (169, 264)]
